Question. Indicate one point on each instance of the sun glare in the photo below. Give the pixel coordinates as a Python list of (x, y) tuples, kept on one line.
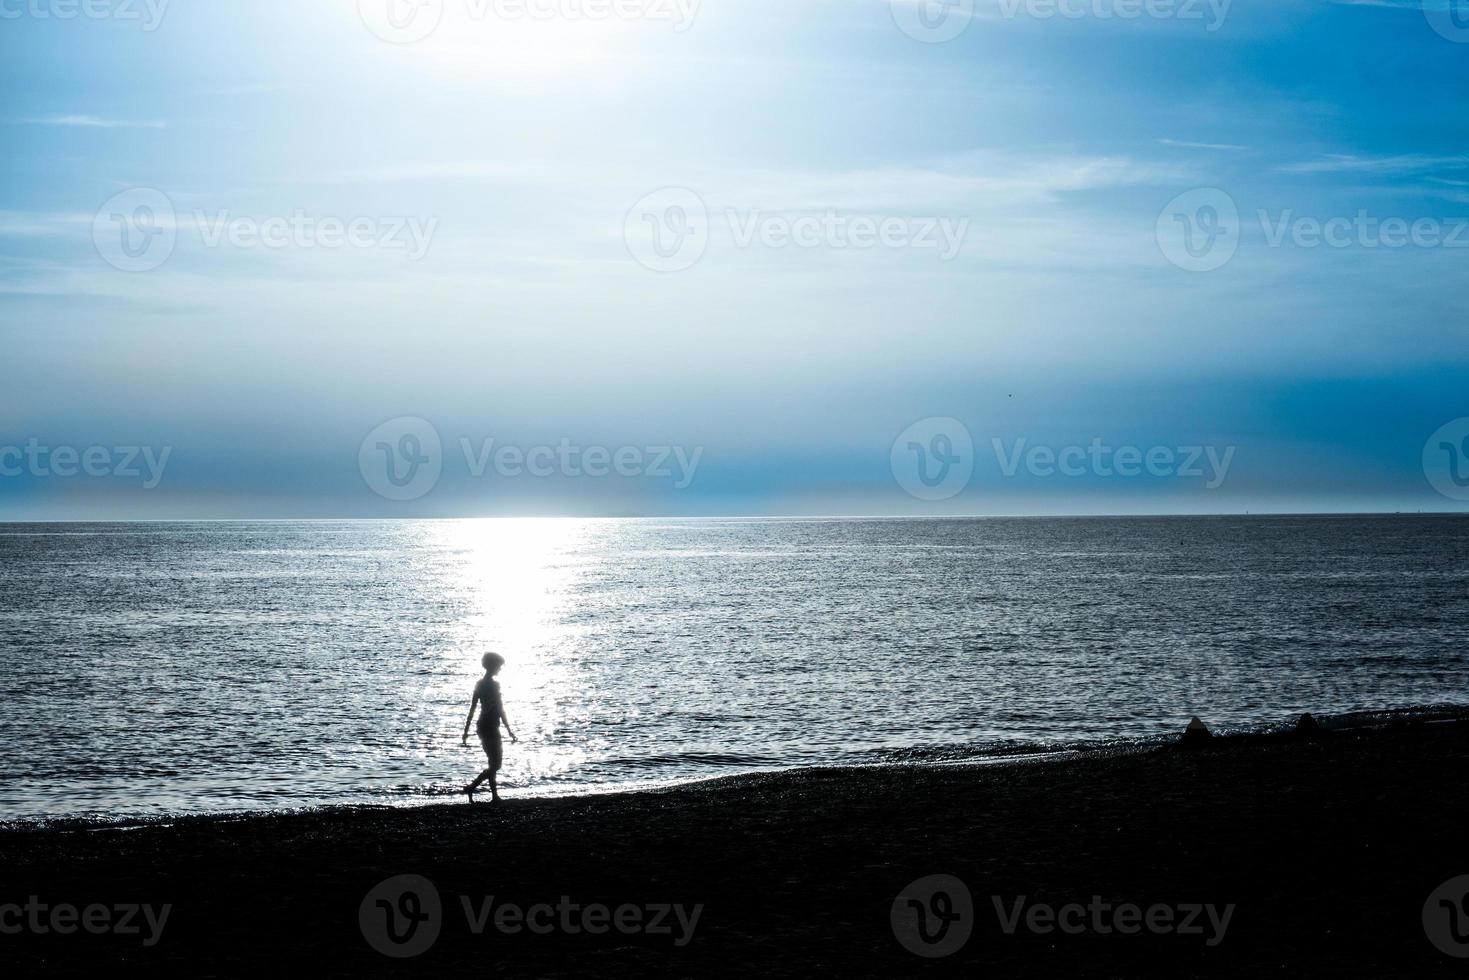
[(486, 41), (513, 577), (516, 571)]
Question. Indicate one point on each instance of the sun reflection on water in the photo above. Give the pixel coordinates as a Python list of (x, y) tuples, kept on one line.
[(514, 578)]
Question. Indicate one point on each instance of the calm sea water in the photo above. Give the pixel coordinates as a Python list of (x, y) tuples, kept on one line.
[(158, 668)]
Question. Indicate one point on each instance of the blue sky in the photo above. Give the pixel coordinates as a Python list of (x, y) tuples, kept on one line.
[(500, 170)]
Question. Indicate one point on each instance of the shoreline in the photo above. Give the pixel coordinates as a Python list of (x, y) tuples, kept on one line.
[(1326, 847), (1361, 721)]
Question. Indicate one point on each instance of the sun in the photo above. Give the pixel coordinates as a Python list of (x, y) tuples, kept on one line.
[(488, 41)]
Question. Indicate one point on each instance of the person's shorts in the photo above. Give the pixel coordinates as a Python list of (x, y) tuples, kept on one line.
[(490, 739)]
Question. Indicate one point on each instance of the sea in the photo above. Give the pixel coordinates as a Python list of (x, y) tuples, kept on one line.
[(153, 670)]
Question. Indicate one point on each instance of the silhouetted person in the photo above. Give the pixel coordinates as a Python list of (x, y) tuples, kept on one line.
[(487, 692)]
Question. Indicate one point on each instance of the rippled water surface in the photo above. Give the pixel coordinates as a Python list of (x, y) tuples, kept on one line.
[(194, 667)]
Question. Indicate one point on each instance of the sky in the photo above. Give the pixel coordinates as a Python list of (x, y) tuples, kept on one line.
[(445, 258)]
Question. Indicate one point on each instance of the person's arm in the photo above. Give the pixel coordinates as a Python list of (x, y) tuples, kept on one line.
[(470, 720), (506, 719)]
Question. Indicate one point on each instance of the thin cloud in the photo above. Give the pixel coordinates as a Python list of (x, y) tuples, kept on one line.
[(1414, 5), (95, 122), (248, 88), (41, 224), (1346, 163), (417, 172), (979, 179), (1186, 145)]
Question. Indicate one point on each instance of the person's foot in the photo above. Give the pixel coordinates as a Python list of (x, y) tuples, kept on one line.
[(470, 791), (495, 798)]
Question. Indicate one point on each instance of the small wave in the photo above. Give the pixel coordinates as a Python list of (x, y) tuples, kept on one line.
[(1000, 750), (1388, 717), (715, 760)]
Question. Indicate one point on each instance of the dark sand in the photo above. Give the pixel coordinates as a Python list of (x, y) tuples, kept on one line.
[(1328, 849)]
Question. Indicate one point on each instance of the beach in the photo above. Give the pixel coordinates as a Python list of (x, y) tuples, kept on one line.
[(1242, 856)]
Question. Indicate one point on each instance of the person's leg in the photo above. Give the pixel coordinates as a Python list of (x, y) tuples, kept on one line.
[(488, 773), (491, 745), (496, 754)]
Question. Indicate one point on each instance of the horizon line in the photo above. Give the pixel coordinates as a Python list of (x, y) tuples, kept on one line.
[(733, 517)]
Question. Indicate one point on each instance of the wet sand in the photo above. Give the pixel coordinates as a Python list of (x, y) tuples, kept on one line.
[(1326, 848)]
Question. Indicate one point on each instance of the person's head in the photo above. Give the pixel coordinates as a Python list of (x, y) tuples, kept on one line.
[(492, 662)]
